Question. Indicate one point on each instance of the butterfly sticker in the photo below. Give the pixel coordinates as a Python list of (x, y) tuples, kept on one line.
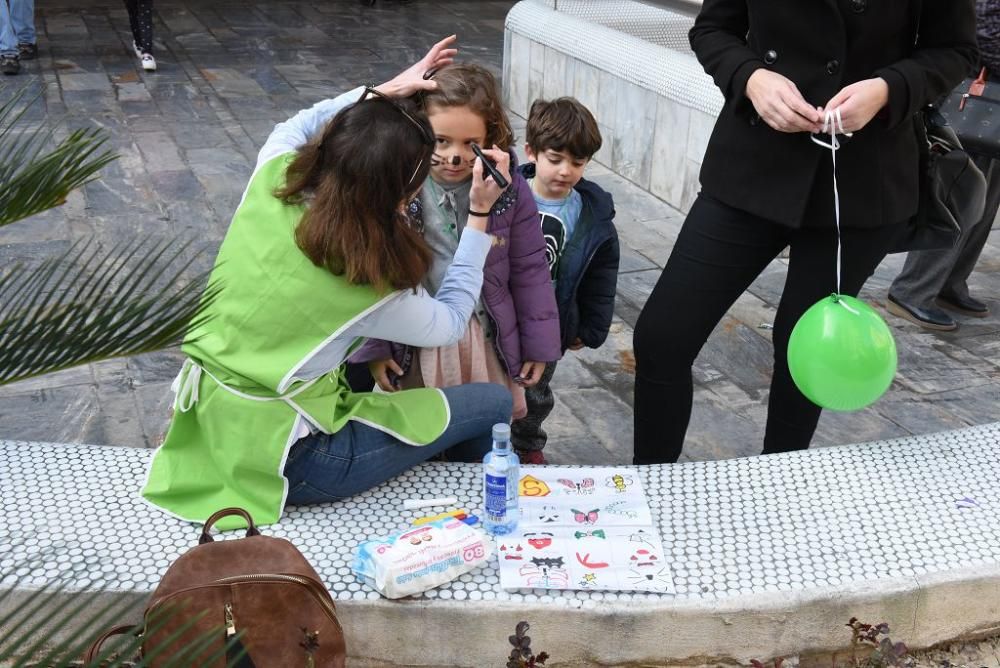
[(585, 486), (589, 517)]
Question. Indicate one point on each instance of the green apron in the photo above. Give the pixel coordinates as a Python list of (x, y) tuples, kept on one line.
[(240, 402)]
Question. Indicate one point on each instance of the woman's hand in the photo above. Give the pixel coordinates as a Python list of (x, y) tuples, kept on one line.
[(411, 80), (780, 104), (859, 102), (486, 192), (531, 373), (380, 372)]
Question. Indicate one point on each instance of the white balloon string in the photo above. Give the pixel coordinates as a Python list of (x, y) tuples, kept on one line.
[(834, 125)]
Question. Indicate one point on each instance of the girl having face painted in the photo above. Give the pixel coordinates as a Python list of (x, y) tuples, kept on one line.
[(514, 330)]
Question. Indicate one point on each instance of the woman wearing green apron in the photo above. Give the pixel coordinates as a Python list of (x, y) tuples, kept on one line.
[(319, 256)]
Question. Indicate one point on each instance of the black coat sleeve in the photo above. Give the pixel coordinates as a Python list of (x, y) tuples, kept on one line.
[(945, 53), (719, 40), (596, 294)]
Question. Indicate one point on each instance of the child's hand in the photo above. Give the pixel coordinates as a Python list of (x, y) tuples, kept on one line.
[(380, 372), (531, 373), (576, 345), (412, 79)]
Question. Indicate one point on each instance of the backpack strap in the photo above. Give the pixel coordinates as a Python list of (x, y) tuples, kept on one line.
[(225, 512), (95, 649)]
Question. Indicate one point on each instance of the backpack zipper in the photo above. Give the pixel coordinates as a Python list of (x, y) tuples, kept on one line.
[(230, 623)]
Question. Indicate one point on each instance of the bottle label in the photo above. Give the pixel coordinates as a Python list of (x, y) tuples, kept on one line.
[(496, 495)]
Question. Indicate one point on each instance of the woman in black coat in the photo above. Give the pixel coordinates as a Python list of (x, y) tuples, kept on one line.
[(782, 65)]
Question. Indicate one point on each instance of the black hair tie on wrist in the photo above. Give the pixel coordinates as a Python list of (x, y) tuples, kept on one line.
[(479, 213)]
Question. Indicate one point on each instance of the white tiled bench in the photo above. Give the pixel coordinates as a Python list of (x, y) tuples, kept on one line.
[(630, 63), (770, 555)]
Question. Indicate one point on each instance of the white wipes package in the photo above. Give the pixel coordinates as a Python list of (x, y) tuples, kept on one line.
[(420, 558)]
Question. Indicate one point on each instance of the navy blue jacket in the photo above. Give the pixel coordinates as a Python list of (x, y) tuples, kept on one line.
[(587, 277)]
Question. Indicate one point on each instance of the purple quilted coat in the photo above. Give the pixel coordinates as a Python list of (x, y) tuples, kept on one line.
[(517, 285)]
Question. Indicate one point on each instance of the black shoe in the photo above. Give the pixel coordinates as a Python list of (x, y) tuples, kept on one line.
[(929, 317), (10, 64), (965, 305), (27, 51)]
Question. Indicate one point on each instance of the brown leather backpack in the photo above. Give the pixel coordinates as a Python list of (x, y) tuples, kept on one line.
[(258, 595)]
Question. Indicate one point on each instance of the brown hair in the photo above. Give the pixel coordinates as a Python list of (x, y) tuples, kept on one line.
[(563, 124), (353, 179), (475, 87)]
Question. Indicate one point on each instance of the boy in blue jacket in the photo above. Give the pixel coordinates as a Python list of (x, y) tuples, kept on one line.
[(577, 218)]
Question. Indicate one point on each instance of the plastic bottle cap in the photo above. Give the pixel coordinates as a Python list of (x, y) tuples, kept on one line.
[(501, 431)]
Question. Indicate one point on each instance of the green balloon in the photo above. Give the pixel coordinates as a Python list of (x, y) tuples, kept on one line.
[(841, 354)]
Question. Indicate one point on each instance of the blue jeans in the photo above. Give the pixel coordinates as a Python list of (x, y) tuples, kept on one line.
[(329, 467), (17, 25)]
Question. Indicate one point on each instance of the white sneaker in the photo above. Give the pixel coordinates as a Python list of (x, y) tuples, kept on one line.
[(138, 51), (148, 62)]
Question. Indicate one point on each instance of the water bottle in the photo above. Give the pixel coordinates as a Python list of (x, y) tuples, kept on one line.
[(501, 474)]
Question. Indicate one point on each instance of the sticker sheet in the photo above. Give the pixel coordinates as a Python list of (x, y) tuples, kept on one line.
[(583, 528)]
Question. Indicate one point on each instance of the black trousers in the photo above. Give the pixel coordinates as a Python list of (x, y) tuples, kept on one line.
[(718, 254), (140, 18)]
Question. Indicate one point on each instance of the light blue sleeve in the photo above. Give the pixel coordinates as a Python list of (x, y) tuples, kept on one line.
[(303, 126), (417, 319)]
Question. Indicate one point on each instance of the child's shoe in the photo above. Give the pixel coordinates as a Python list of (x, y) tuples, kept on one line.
[(148, 62)]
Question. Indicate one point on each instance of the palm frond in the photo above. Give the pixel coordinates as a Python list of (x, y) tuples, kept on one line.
[(90, 304), (35, 177), (28, 626)]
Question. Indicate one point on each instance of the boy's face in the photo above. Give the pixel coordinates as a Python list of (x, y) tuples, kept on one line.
[(455, 129), (556, 172)]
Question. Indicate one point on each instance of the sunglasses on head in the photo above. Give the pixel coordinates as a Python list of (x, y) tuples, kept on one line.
[(425, 134)]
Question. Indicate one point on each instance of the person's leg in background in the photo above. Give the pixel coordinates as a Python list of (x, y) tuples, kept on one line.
[(22, 16), (954, 294), (791, 417), (527, 435), (140, 17), (10, 60), (329, 467), (718, 254)]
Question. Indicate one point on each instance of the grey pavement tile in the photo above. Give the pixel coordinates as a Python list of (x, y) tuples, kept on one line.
[(855, 427), (606, 417), (718, 432), (160, 152), (76, 82), (632, 261)]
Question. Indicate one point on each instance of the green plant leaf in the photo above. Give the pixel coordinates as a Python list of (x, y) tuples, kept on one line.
[(34, 176), (87, 305)]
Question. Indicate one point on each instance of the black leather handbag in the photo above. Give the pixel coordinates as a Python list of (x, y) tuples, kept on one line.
[(973, 112), (952, 188)]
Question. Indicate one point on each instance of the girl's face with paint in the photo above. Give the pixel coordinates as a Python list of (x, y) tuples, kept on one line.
[(455, 130)]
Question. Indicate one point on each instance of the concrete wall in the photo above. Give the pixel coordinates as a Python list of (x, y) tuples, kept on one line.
[(654, 104)]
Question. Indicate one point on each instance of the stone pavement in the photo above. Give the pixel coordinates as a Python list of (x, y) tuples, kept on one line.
[(188, 134)]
